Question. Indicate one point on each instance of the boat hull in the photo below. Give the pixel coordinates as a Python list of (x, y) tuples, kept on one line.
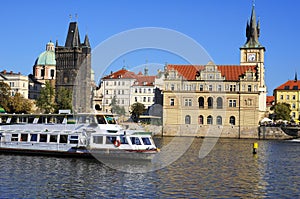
[(101, 154), (292, 131)]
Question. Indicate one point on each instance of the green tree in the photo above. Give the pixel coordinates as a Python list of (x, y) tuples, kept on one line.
[(63, 99), (46, 100), (282, 111), (136, 110), (5, 96), (116, 108), (18, 104)]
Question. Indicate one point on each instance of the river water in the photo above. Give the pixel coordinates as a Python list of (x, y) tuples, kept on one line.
[(230, 170)]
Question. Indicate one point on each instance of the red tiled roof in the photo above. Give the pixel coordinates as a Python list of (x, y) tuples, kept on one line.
[(149, 80), (270, 100), (289, 85), (123, 73), (230, 72)]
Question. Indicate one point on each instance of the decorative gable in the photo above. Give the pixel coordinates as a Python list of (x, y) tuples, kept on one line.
[(249, 75), (209, 73)]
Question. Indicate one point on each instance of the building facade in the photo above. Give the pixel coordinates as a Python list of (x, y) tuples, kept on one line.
[(289, 93), (73, 68), (127, 88), (16, 81), (217, 100)]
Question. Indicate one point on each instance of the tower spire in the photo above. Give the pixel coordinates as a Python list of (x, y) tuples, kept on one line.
[(86, 41), (296, 79), (252, 30), (73, 39)]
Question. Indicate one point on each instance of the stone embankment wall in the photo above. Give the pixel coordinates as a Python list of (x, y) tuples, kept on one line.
[(262, 132), (272, 133)]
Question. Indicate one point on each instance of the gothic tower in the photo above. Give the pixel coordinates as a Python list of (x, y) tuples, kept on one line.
[(73, 68), (252, 53)]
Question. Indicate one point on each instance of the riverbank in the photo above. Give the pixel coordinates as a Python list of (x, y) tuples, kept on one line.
[(250, 132)]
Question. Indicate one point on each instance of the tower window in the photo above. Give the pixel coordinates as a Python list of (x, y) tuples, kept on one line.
[(172, 102), (52, 72), (249, 88)]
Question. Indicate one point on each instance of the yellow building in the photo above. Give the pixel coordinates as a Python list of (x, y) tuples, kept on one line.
[(289, 93), (218, 100)]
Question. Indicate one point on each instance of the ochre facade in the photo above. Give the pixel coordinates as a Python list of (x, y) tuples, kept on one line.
[(218, 100)]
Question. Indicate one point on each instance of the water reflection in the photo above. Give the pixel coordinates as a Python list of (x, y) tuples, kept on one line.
[(230, 170)]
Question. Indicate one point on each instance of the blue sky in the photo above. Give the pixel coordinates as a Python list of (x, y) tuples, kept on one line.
[(219, 26)]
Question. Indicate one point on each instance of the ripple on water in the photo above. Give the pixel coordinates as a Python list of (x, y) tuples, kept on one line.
[(229, 171)]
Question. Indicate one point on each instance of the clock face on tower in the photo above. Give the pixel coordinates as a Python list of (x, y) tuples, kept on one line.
[(251, 57)]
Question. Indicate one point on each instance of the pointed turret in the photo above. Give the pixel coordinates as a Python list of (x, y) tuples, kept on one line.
[(86, 41), (252, 31), (73, 39)]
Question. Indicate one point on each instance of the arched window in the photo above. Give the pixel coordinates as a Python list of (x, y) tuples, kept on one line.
[(200, 119), (232, 120), (201, 102), (219, 103), (209, 119), (219, 120), (97, 107), (187, 119), (210, 102)]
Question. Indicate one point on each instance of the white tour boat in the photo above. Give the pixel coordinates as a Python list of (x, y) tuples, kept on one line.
[(83, 135)]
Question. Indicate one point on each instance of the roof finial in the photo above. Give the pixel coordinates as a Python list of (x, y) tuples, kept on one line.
[(296, 79), (123, 64), (253, 3), (76, 17), (70, 16)]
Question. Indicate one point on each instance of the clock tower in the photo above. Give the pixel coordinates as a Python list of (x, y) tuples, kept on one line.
[(252, 53)]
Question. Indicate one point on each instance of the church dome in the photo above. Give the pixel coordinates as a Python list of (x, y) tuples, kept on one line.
[(47, 57)]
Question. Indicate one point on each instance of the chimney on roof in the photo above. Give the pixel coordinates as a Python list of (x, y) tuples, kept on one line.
[(4, 72), (11, 72)]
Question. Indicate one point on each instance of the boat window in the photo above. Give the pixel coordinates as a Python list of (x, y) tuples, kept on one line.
[(43, 137), (110, 119), (33, 137), (110, 139), (98, 139), (100, 119), (85, 119), (135, 140), (146, 141), (14, 137), (74, 139), (123, 140), (24, 137), (53, 138), (63, 138), (70, 119)]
